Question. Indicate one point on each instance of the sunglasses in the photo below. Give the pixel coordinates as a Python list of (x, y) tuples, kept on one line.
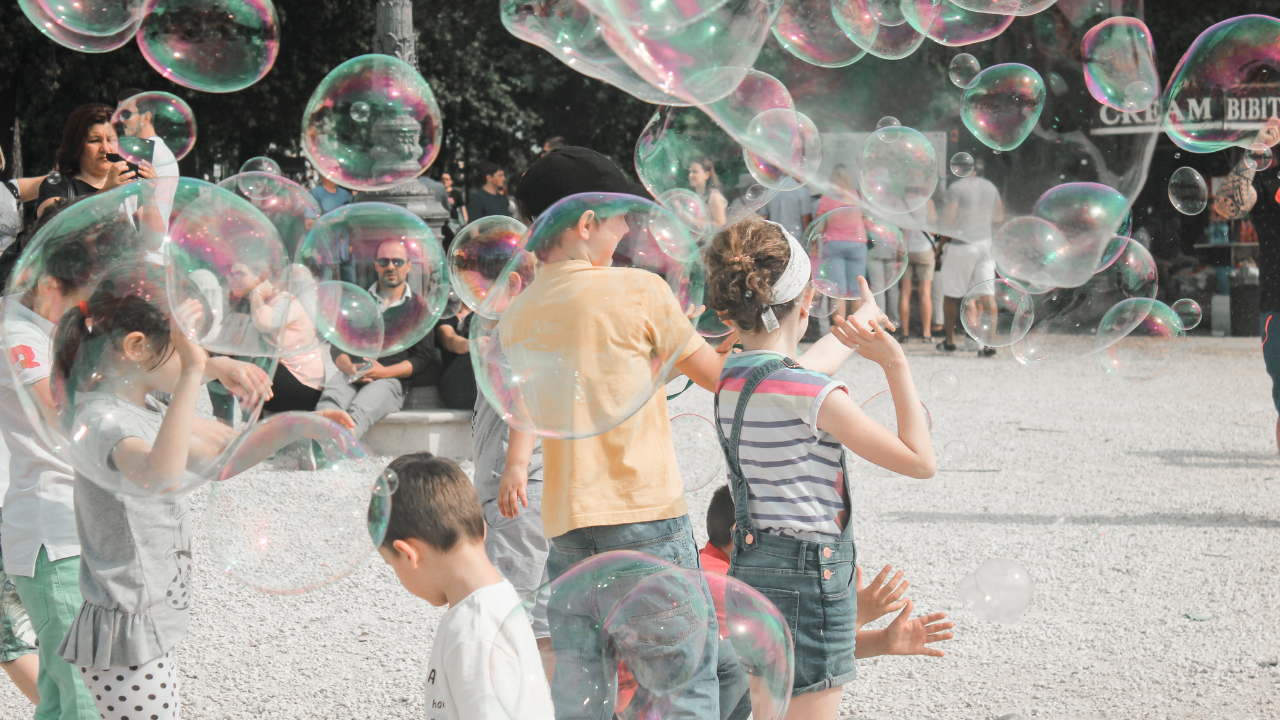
[(126, 114), (398, 262)]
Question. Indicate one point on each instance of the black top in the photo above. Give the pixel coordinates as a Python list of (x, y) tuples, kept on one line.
[(484, 203), (455, 203), (1266, 221), (446, 357), (422, 354), (61, 189)]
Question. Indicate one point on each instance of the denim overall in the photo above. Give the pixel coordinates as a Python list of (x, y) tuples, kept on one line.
[(810, 582)]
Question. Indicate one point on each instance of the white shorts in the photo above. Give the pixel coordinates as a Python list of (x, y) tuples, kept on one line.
[(965, 265)]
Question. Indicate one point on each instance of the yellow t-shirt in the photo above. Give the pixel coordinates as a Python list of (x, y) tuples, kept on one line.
[(592, 340)]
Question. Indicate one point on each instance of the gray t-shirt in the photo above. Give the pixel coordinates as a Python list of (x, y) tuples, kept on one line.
[(489, 448), (975, 199), (135, 551), (789, 207)]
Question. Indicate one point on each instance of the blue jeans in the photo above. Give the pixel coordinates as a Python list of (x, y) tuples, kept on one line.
[(840, 266), (585, 683)]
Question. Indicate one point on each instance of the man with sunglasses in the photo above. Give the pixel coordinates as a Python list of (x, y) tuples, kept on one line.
[(137, 121), (382, 390)]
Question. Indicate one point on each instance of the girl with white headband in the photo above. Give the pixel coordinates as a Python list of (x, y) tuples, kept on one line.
[(782, 424)]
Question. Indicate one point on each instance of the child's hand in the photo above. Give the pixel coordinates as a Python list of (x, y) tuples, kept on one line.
[(512, 491), (905, 636), (192, 356), (869, 339), (338, 416), (692, 313), (869, 310), (246, 381), (880, 598)]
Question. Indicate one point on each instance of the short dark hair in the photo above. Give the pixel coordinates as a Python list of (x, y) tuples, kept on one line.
[(555, 143), (489, 168), (76, 131), (720, 517), (434, 502)]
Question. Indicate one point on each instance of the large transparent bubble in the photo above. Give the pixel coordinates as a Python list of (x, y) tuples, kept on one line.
[(169, 116), (372, 123), (1142, 338), (947, 23), (291, 208), (304, 519), (216, 46), (78, 41), (1231, 65), (1119, 64), (1003, 104), (808, 30), (898, 170), (1005, 7), (1086, 216), (1188, 191), (997, 313), (319, 314), (999, 590), (94, 17), (479, 253), (390, 251), (602, 257), (698, 450)]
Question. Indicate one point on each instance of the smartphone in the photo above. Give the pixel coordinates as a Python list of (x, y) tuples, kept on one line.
[(115, 158), (137, 147)]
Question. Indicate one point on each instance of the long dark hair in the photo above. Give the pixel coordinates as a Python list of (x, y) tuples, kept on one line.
[(76, 132)]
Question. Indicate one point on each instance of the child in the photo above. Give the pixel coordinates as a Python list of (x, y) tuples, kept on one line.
[(782, 426), (435, 544)]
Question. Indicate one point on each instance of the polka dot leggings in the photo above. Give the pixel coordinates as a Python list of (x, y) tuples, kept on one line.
[(135, 692)]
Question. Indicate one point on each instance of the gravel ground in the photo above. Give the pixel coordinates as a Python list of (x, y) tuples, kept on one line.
[(1133, 506)]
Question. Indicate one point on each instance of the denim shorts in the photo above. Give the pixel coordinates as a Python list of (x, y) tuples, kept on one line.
[(811, 583)]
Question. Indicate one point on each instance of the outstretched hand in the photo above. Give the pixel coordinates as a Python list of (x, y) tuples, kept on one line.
[(907, 636), (880, 598)]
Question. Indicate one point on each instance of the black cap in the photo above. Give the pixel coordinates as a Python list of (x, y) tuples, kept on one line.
[(568, 171)]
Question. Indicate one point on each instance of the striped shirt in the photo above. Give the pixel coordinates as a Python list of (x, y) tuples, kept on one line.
[(795, 483)]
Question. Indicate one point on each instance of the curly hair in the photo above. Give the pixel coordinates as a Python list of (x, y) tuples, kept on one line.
[(743, 262)]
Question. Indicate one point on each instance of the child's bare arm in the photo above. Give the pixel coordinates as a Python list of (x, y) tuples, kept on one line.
[(826, 355), (704, 365), (906, 636), (513, 488)]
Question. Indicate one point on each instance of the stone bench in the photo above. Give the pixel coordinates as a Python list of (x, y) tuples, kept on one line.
[(422, 426)]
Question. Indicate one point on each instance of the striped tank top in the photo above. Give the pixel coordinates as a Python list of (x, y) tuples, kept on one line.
[(795, 483)]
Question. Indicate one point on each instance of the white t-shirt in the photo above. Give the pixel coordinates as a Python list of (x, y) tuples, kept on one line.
[(975, 198), (38, 505), (472, 648), (166, 165)]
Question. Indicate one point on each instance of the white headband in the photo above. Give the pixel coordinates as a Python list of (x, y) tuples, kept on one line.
[(792, 281)]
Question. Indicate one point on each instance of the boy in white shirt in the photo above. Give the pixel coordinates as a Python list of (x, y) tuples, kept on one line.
[(435, 544)]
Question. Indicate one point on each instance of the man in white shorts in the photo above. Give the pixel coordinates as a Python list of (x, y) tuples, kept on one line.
[(973, 209)]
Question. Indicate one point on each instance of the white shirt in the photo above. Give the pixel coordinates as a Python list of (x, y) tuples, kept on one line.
[(472, 648), (383, 306), (38, 506), (166, 165), (975, 199)]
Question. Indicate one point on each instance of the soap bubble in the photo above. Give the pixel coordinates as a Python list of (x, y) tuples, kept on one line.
[(479, 253), (807, 29), (1188, 191), (1112, 252), (360, 111), (376, 244), (552, 388), (996, 313), (1257, 157), (759, 636), (890, 41), (881, 408), (261, 164), (94, 17), (78, 41), (999, 590), (1188, 312), (964, 68), (898, 175), (839, 251), (1150, 345), (822, 306), (781, 123), (888, 121), (1119, 64), (698, 451), (1229, 61), (1003, 104), (308, 522), (887, 255), (397, 142), (1087, 215), (452, 306), (169, 115), (944, 385), (345, 316), (689, 208), (215, 46), (886, 12), (291, 208), (1005, 7), (962, 164), (954, 454), (949, 24), (1034, 252)]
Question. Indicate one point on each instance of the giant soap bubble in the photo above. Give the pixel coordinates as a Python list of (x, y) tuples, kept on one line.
[(371, 124), (216, 46), (1119, 64), (1005, 7), (169, 115), (310, 520), (78, 41), (1086, 216), (999, 590), (534, 365), (479, 253), (390, 251)]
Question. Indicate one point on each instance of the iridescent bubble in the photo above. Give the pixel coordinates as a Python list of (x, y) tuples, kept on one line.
[(888, 121), (261, 164), (1188, 312), (944, 385), (887, 255), (1257, 157), (886, 12), (1119, 64), (345, 316), (94, 17), (397, 142), (997, 313), (1003, 104), (360, 111), (1034, 252), (1057, 83), (698, 451), (452, 306), (1112, 252), (1005, 7), (897, 176), (478, 255), (888, 42), (1188, 191), (780, 123), (1087, 216), (291, 208), (806, 29), (78, 41), (689, 208), (1144, 349), (962, 164), (172, 125), (822, 306), (964, 68), (549, 388), (999, 590), (216, 46), (947, 23), (1228, 61), (308, 519), (881, 408), (953, 455), (53, 178), (257, 186)]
